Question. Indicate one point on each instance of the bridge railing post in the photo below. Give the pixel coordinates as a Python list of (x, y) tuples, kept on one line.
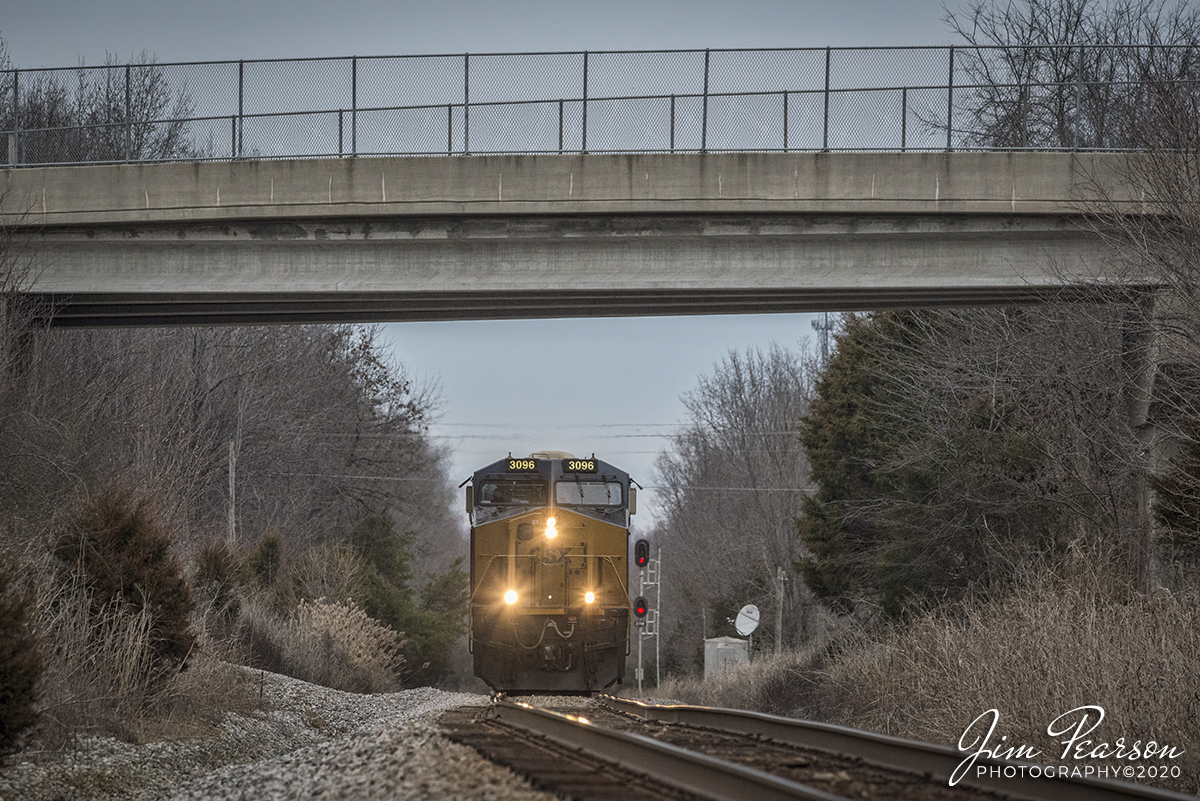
[(14, 145), (950, 103), (241, 121), (672, 123), (1078, 99), (785, 122), (704, 121), (825, 135), (128, 115), (466, 104), (583, 144), (354, 105)]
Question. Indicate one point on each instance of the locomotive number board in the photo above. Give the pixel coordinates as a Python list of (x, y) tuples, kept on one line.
[(522, 465), (579, 465)]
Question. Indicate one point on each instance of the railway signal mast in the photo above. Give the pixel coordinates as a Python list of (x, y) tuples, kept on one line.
[(646, 621)]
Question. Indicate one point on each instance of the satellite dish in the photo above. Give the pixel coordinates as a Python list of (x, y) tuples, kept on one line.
[(747, 620)]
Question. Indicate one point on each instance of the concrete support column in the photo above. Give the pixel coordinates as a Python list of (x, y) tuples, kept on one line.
[(1160, 403), (1138, 353)]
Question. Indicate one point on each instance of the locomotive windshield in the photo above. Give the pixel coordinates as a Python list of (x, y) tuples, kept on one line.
[(587, 493), (518, 492)]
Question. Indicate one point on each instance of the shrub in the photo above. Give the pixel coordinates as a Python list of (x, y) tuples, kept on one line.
[(215, 581), (328, 571), (329, 643), (265, 569), (116, 549), (20, 666), (339, 646), (265, 562)]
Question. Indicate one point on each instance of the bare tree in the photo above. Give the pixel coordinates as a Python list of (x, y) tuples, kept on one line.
[(1066, 73), (732, 481), (118, 112), (1155, 241)]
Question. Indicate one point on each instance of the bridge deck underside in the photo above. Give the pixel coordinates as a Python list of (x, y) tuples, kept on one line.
[(109, 310), (521, 266)]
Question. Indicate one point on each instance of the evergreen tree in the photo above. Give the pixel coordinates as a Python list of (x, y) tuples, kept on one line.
[(432, 620), (933, 465), (844, 443)]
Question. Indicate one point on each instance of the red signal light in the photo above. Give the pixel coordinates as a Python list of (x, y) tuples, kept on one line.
[(640, 606), (641, 553)]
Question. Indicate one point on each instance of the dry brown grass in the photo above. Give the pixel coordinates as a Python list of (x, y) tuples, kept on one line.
[(1049, 648), (786, 685), (102, 676)]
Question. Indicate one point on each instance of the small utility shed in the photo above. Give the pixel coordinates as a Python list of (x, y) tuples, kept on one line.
[(723, 653)]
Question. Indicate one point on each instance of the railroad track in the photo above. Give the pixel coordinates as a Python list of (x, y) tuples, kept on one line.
[(629, 750)]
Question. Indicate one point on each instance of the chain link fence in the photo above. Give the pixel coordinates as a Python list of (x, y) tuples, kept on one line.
[(813, 99)]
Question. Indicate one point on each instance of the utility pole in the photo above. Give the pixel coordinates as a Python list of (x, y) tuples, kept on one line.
[(232, 497), (779, 578)]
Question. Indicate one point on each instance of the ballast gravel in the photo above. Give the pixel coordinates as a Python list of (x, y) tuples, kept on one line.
[(310, 742)]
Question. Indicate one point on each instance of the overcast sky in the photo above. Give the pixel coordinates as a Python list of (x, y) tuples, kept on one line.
[(623, 414)]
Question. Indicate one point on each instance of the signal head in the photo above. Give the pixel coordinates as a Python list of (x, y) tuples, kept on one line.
[(640, 607), (641, 553)]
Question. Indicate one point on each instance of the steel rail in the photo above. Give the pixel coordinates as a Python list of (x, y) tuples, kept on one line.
[(896, 753), (699, 774)]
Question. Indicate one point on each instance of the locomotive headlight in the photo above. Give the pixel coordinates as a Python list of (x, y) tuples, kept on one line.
[(550, 532), (510, 597), (589, 597)]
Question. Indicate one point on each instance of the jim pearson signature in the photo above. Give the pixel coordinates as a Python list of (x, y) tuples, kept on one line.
[(1075, 725)]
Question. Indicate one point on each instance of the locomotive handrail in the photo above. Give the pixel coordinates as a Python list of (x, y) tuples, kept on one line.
[(493, 557)]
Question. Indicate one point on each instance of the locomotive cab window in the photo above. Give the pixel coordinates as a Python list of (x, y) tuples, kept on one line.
[(507, 493), (587, 493)]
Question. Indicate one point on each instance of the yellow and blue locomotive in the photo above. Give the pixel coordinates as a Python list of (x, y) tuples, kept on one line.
[(549, 574)]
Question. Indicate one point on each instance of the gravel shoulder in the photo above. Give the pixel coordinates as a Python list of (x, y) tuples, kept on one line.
[(308, 741)]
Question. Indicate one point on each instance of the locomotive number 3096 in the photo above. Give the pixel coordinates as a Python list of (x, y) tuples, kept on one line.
[(522, 464), (581, 466)]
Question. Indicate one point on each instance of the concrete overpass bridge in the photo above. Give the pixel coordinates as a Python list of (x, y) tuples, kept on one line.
[(523, 236)]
